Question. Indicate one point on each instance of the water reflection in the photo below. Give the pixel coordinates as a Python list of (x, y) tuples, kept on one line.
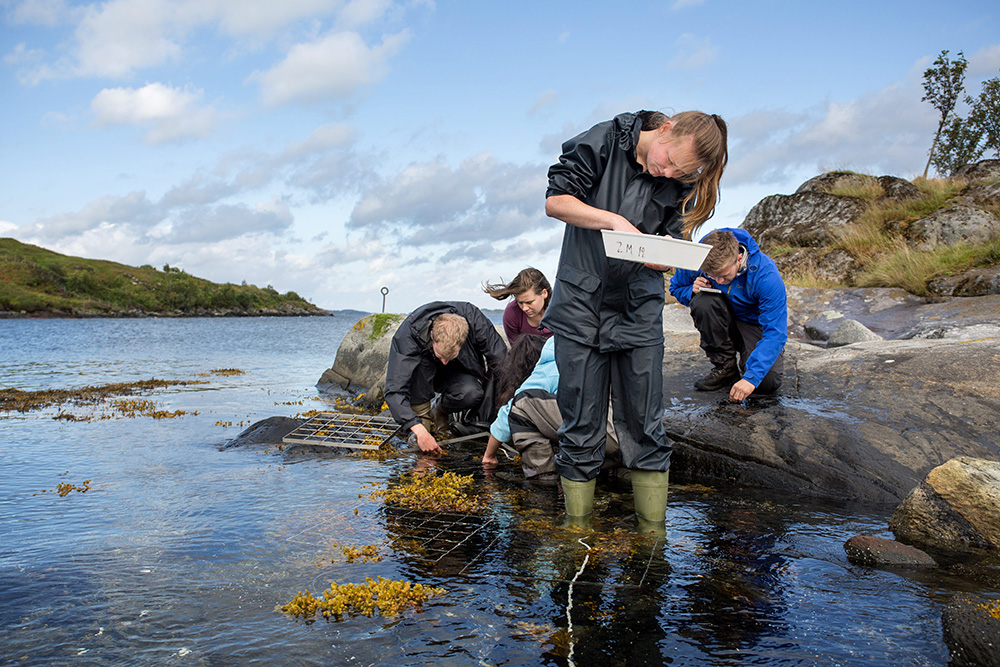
[(739, 596)]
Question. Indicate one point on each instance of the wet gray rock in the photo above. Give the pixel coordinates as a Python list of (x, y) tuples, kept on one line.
[(971, 628), (822, 326), (268, 431), (862, 422), (874, 551), (851, 331), (952, 226), (804, 219), (955, 508)]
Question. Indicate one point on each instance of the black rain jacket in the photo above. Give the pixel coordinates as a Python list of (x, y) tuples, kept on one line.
[(610, 304), (412, 341)]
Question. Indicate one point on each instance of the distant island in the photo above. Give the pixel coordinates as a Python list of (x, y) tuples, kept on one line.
[(35, 282)]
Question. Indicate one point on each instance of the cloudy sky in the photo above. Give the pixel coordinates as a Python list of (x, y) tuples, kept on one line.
[(333, 147)]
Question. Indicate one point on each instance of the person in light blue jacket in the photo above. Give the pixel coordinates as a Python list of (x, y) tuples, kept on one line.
[(529, 416), (738, 305)]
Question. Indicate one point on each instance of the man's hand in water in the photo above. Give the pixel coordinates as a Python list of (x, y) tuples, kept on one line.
[(425, 441)]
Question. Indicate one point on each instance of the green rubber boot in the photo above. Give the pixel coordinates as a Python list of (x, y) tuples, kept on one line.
[(649, 489), (579, 497)]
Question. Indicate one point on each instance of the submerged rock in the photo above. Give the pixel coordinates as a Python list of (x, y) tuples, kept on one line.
[(879, 552), (268, 431)]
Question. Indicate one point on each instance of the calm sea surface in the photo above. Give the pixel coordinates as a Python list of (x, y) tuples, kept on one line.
[(181, 550)]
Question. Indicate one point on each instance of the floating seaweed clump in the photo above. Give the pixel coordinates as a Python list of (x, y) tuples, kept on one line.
[(65, 488), (12, 399), (386, 596), (448, 492), (366, 554), (227, 371)]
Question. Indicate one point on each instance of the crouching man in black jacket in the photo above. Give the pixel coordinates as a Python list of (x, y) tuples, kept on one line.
[(443, 348)]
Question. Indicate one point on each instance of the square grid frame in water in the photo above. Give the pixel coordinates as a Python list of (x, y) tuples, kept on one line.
[(340, 429), (467, 544)]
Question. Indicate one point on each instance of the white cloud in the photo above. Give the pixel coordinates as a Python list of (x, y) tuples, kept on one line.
[(7, 226), (120, 36), (430, 203), (545, 99), (333, 68), (166, 113), (42, 12), (693, 53), (117, 38)]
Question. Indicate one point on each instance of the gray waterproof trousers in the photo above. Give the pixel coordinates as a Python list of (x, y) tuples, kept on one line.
[(723, 336), (634, 378), (534, 421)]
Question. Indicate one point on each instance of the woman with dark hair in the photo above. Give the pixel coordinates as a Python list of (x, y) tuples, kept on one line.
[(528, 415), (531, 291)]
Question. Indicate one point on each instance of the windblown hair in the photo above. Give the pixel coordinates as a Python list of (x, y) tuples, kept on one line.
[(449, 331), (725, 249), (527, 279), (710, 144), (517, 365)]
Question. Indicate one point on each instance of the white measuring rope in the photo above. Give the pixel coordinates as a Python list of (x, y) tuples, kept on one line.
[(569, 599)]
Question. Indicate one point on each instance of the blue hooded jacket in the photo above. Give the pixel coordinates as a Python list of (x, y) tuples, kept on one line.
[(757, 295), (544, 376)]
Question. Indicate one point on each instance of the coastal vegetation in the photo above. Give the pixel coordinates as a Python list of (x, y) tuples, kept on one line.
[(877, 241), (35, 281)]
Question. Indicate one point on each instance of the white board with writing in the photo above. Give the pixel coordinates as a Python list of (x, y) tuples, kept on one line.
[(650, 249)]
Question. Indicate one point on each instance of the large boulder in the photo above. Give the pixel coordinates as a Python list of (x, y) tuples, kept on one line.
[(362, 357), (955, 508), (804, 219), (839, 181), (864, 421), (953, 226)]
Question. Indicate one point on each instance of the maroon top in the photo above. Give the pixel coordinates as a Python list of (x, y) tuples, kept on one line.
[(515, 323)]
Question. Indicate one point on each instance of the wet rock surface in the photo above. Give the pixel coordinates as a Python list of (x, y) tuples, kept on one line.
[(879, 552), (971, 628), (268, 431), (865, 421)]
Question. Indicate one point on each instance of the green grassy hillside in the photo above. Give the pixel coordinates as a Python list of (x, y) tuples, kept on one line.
[(35, 281)]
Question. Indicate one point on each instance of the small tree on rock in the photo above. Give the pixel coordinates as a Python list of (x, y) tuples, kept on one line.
[(943, 83)]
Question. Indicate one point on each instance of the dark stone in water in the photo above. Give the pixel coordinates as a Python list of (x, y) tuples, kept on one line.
[(972, 632), (880, 552), (268, 431)]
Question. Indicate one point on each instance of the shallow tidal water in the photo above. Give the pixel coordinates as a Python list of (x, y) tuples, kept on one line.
[(181, 550)]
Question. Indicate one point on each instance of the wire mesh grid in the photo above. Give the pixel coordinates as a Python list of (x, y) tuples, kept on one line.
[(433, 536), (338, 429)]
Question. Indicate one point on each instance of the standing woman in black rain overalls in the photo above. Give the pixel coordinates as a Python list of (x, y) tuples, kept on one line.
[(639, 172)]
